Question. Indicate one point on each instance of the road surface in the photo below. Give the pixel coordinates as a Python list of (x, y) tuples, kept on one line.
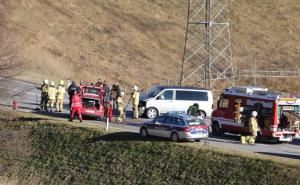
[(29, 99)]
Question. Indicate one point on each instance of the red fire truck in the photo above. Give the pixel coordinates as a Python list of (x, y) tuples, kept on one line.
[(92, 100), (278, 113)]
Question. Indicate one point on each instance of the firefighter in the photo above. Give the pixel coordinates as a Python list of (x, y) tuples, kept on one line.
[(193, 109), (76, 106), (60, 96), (253, 128), (51, 96), (120, 108), (135, 95), (44, 94)]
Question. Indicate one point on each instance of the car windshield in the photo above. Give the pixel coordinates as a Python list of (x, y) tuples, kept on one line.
[(195, 121), (91, 90), (153, 92)]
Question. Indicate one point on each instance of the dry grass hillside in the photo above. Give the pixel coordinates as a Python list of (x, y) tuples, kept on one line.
[(141, 41)]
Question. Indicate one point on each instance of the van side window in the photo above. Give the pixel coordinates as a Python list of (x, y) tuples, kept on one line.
[(191, 95), (167, 95), (223, 103)]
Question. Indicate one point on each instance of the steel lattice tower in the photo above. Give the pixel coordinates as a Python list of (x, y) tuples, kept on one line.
[(207, 55)]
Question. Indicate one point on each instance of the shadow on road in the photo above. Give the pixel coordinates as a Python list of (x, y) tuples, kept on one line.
[(122, 136), (53, 114), (281, 155)]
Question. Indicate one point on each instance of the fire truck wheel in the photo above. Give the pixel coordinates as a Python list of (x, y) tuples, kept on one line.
[(258, 138), (216, 130)]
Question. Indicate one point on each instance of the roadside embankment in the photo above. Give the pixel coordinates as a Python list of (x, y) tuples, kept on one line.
[(42, 150)]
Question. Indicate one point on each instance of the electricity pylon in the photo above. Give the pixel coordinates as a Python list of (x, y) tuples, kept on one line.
[(207, 55)]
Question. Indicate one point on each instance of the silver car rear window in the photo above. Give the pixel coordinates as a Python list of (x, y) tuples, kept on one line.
[(195, 122)]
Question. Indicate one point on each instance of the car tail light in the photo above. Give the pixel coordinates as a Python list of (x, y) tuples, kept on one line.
[(186, 129)]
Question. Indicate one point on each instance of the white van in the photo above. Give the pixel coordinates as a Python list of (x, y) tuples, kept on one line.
[(163, 99)]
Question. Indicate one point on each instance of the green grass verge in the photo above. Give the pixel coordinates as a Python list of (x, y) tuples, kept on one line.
[(61, 154)]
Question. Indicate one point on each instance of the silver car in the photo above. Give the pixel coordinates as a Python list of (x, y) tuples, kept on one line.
[(175, 126)]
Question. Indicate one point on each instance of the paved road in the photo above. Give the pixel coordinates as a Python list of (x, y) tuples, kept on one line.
[(30, 97)]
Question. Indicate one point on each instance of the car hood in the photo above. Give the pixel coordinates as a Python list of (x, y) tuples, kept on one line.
[(145, 98)]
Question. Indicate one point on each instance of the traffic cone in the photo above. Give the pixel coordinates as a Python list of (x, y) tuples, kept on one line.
[(15, 105)]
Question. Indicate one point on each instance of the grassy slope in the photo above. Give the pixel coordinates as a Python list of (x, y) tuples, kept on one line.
[(143, 39), (59, 154)]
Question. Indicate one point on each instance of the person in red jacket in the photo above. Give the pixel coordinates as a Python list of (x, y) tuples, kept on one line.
[(76, 106)]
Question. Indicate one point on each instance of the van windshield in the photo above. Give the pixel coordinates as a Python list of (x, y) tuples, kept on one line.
[(153, 92)]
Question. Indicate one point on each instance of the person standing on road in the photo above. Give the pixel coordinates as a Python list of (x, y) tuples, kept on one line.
[(60, 96), (120, 108), (44, 94), (193, 109), (51, 96), (106, 98), (71, 90), (113, 96), (253, 128), (76, 106), (135, 95)]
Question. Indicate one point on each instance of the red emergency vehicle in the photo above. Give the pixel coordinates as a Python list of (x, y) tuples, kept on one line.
[(278, 113), (92, 100)]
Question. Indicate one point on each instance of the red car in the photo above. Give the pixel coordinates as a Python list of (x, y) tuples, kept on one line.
[(92, 100)]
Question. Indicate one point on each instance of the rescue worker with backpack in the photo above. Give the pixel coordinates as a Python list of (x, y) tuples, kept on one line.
[(135, 95), (120, 108), (44, 94), (51, 96), (76, 106), (193, 110), (60, 96)]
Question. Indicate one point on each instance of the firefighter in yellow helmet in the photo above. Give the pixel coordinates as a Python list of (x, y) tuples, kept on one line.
[(135, 95), (60, 92), (51, 96), (44, 94), (253, 128), (120, 108)]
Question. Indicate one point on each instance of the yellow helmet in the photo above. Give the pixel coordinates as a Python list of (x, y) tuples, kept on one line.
[(61, 82)]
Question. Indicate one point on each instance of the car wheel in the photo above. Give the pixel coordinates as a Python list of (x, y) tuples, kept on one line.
[(174, 137), (144, 132), (152, 113), (216, 130), (202, 115)]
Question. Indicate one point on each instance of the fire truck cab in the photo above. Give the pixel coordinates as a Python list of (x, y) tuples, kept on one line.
[(278, 114), (92, 100)]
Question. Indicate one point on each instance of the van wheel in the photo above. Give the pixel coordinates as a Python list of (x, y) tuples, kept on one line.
[(216, 130), (151, 113), (202, 115), (174, 137)]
